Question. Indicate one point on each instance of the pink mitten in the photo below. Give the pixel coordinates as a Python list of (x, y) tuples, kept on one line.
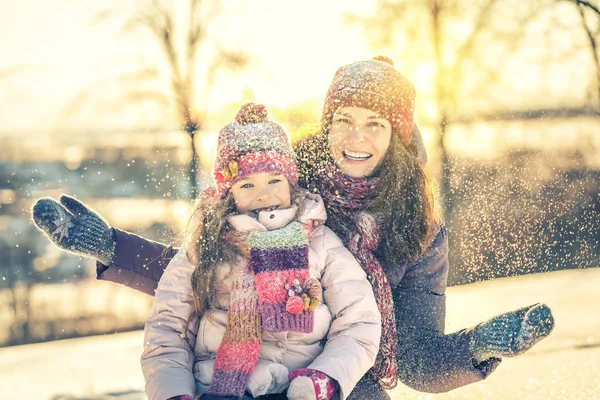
[(309, 384)]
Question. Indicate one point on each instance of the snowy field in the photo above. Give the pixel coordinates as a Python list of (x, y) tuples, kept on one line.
[(564, 366)]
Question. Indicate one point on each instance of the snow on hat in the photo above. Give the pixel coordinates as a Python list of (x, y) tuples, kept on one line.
[(252, 144), (376, 85)]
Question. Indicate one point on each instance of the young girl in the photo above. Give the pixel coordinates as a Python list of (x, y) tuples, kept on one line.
[(278, 296)]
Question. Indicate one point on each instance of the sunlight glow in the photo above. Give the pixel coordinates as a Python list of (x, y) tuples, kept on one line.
[(208, 148), (424, 76)]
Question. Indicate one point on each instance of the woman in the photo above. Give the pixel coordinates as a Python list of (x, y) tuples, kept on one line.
[(366, 162)]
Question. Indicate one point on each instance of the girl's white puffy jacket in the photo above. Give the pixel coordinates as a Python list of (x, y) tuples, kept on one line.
[(343, 344)]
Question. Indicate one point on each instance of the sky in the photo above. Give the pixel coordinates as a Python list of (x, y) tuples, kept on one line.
[(52, 51), (60, 65)]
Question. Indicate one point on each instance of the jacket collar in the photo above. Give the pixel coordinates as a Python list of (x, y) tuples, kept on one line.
[(312, 212)]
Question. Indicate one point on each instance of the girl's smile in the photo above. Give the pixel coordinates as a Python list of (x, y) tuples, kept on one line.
[(271, 208)]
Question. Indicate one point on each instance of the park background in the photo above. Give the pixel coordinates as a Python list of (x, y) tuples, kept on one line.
[(119, 104)]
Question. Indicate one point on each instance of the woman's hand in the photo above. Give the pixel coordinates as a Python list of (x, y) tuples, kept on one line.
[(512, 333), (74, 227)]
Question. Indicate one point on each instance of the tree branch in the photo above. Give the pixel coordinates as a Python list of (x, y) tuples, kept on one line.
[(465, 51), (586, 4), (593, 45)]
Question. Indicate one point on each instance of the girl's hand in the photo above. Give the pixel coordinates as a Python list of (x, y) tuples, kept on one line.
[(309, 384), (512, 333)]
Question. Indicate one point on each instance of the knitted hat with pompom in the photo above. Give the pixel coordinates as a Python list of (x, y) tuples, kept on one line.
[(376, 85), (252, 144)]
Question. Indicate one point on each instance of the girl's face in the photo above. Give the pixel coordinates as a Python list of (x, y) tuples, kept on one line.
[(358, 140), (261, 191)]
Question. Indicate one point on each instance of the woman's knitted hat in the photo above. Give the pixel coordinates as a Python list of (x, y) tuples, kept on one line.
[(376, 85), (252, 144)]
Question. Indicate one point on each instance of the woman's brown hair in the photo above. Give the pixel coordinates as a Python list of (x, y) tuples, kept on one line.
[(405, 205)]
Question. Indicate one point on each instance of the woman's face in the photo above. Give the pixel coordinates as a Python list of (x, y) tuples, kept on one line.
[(358, 140)]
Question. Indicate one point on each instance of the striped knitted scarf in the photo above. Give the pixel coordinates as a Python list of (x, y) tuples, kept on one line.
[(262, 297), (346, 199)]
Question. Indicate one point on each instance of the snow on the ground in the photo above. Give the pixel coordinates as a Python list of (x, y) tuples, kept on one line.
[(564, 366)]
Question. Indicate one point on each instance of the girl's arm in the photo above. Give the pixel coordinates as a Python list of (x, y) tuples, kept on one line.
[(354, 336), (168, 357), (429, 360)]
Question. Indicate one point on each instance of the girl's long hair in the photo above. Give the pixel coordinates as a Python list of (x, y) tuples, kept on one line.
[(211, 240), (207, 245), (405, 203)]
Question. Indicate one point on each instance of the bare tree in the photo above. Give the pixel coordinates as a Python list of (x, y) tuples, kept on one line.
[(182, 36), (585, 9), (467, 42)]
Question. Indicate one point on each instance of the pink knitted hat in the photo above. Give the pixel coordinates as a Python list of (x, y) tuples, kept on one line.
[(252, 144), (374, 84)]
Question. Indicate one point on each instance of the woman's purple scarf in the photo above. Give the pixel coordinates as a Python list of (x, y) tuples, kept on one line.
[(346, 200)]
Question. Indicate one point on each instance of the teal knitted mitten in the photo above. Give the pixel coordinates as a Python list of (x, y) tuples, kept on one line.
[(74, 227), (512, 333)]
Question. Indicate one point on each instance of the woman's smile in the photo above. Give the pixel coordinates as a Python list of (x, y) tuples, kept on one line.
[(358, 140), (356, 155)]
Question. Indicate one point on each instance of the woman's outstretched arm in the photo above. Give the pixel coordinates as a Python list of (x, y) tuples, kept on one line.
[(121, 257), (431, 361), (138, 262), (428, 359)]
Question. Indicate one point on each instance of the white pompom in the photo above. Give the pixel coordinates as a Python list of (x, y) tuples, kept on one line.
[(301, 388)]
